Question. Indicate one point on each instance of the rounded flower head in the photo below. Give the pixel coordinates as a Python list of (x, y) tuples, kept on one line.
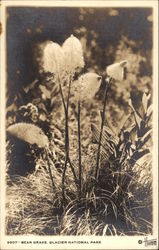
[(53, 58), (29, 133), (73, 54), (87, 86), (116, 70)]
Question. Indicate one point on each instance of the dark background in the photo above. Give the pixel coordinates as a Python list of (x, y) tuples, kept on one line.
[(107, 35), (26, 26)]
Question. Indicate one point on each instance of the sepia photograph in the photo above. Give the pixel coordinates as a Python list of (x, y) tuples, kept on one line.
[(79, 140)]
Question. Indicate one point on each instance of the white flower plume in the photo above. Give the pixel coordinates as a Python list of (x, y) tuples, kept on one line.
[(73, 53), (87, 86), (116, 70), (53, 58)]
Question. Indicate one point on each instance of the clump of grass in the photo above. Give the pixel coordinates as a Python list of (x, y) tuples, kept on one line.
[(32, 206), (79, 220), (124, 162)]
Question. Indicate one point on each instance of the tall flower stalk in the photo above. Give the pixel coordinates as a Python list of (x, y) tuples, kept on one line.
[(86, 87), (67, 158), (73, 60), (101, 130), (49, 168), (114, 72), (79, 150), (63, 62)]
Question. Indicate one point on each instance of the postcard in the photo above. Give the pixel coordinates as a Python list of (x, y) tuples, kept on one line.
[(79, 124)]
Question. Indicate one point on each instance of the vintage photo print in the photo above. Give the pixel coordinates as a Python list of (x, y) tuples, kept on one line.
[(79, 134)]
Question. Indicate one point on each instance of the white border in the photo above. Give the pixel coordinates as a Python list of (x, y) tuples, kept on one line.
[(107, 242), (82, 3)]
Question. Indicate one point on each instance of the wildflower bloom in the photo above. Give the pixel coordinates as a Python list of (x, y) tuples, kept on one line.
[(73, 54), (53, 58), (87, 85), (116, 70), (29, 133), (28, 112)]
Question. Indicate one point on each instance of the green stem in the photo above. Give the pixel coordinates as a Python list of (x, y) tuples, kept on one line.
[(66, 154), (73, 171), (63, 179), (66, 139), (101, 130), (79, 151), (67, 158), (50, 173)]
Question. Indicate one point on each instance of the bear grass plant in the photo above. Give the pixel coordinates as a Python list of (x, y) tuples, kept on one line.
[(109, 192)]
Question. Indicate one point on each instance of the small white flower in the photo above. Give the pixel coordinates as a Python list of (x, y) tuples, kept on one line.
[(53, 58), (87, 86), (116, 70), (73, 53)]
